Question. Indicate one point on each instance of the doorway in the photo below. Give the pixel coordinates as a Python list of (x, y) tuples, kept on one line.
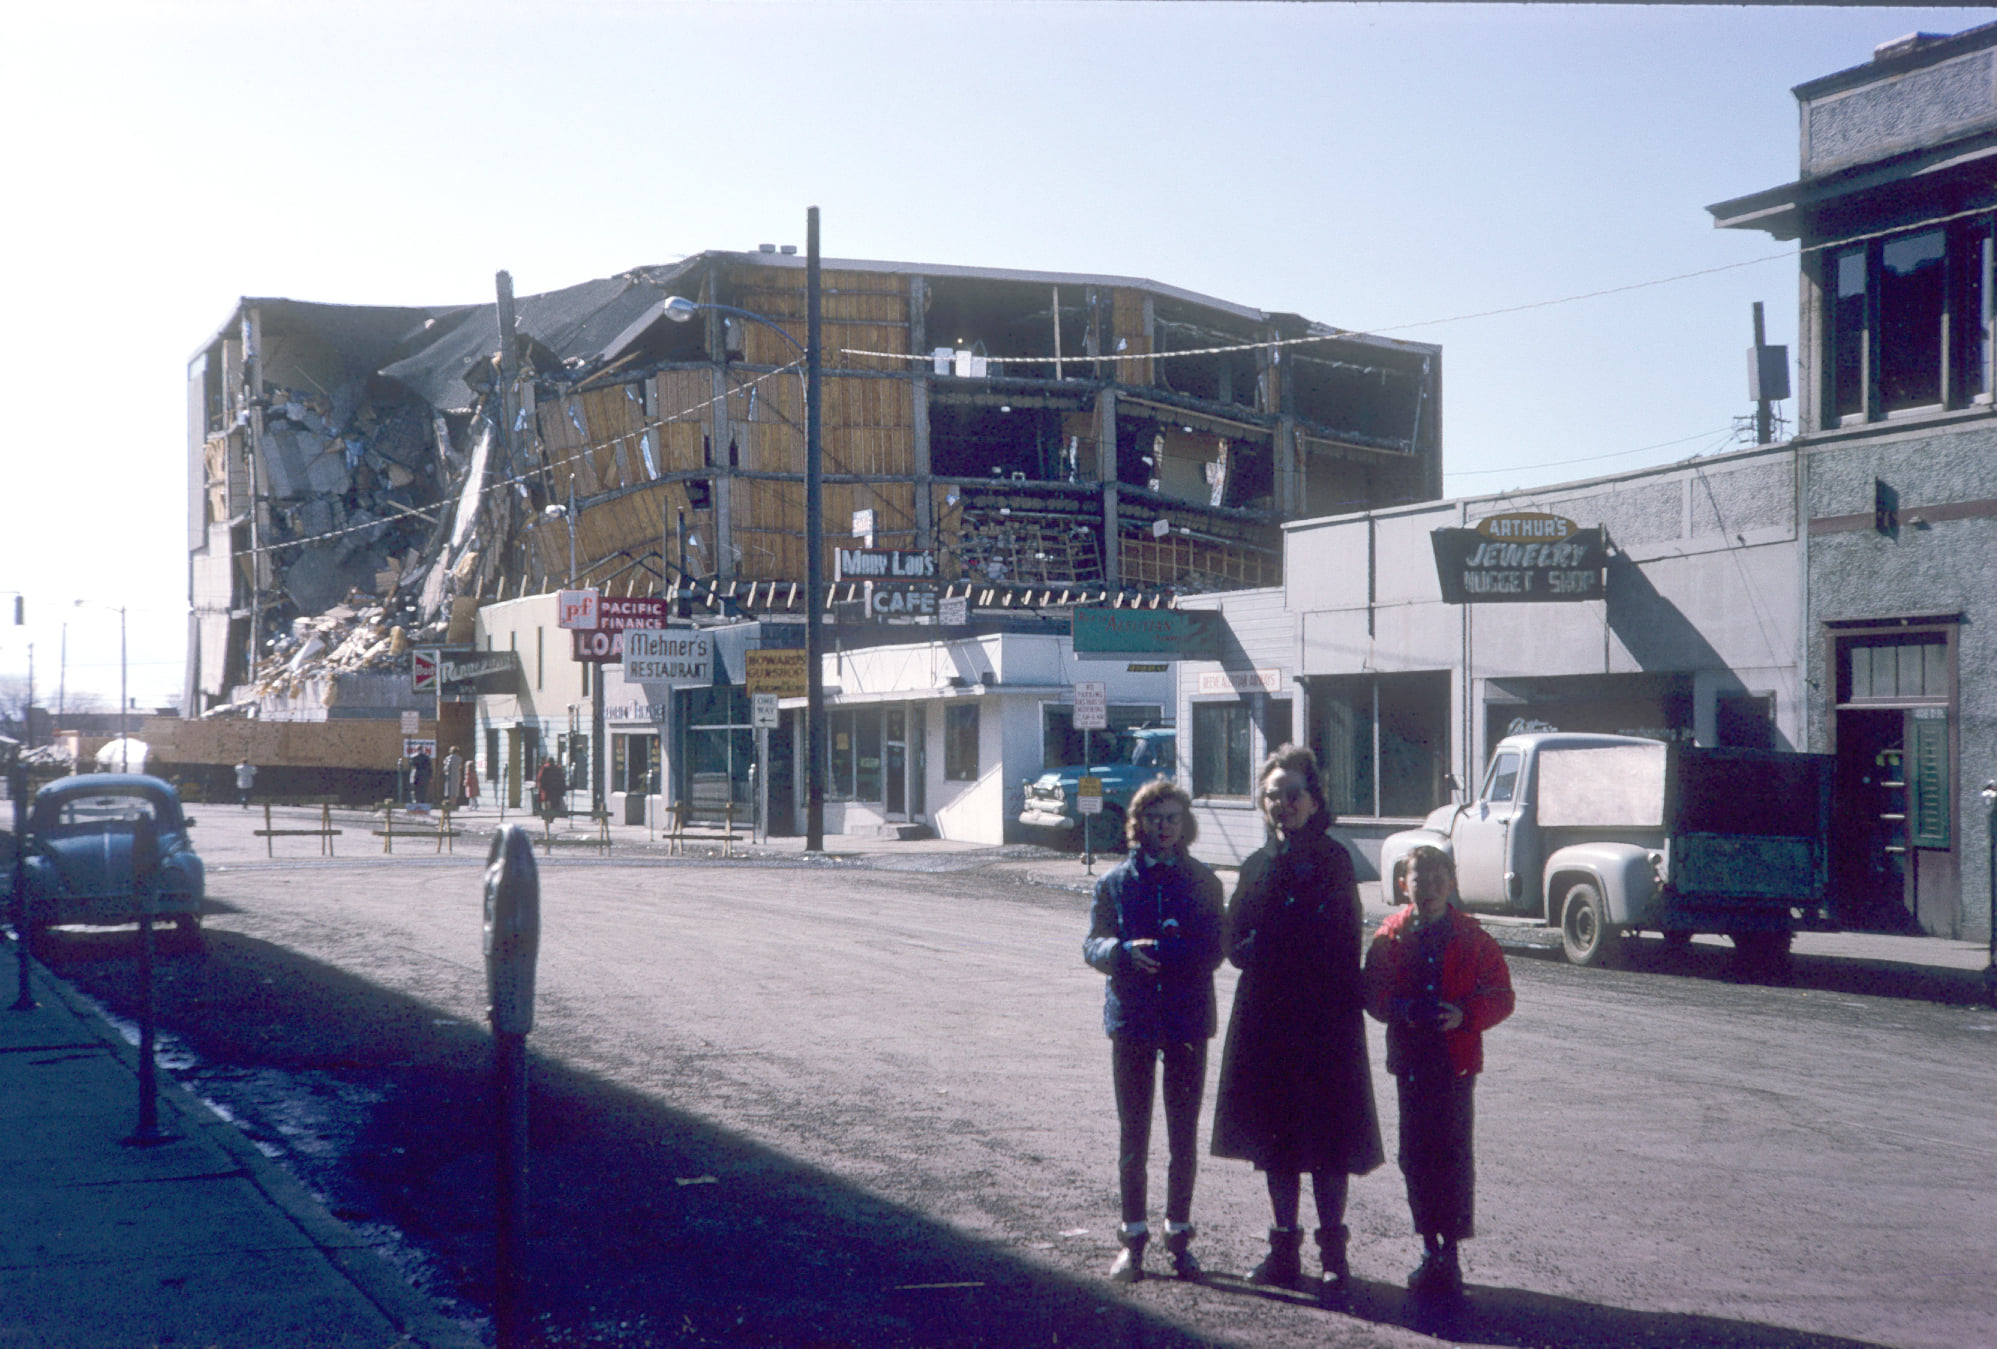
[(894, 754), (1871, 853)]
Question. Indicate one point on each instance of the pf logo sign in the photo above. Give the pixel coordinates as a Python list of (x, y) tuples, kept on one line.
[(424, 671)]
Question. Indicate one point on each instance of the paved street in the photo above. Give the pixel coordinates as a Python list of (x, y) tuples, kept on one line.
[(833, 1103)]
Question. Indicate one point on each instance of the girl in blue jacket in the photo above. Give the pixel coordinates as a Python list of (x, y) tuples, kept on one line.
[(1155, 930)]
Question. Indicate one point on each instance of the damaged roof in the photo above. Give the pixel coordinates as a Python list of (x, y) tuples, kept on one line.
[(577, 326), (431, 350)]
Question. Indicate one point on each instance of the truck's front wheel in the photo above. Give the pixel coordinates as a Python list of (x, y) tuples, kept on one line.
[(1587, 937)]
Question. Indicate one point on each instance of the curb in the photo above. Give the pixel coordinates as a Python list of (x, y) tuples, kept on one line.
[(351, 1256)]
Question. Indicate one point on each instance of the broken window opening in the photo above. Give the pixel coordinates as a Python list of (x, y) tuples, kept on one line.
[(1374, 403), (1188, 464), (1010, 442), (1042, 536), (1014, 320), (1231, 376)]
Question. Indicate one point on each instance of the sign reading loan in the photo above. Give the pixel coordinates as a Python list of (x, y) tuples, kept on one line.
[(668, 656), (1525, 557)]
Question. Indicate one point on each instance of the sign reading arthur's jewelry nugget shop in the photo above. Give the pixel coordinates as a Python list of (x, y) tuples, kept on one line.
[(1524, 557)]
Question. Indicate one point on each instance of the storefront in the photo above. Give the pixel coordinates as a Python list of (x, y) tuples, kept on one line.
[(1405, 644)]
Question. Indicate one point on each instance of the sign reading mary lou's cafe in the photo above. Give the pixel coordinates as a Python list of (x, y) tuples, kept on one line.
[(1521, 557)]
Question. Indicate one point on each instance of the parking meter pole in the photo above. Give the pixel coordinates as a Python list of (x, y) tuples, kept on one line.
[(1088, 826), (1990, 829), (17, 788), (145, 888), (512, 945)]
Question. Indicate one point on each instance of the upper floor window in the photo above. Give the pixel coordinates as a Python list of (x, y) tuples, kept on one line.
[(1909, 322)]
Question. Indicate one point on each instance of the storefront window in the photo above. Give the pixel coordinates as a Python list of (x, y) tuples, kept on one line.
[(1221, 749), (960, 742), (632, 767), (1382, 742), (1061, 743), (720, 748), (854, 750)]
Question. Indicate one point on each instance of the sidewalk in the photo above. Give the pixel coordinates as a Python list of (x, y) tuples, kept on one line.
[(199, 1240)]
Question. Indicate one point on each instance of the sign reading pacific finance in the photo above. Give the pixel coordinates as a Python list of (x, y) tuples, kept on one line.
[(604, 644), (576, 608), (668, 656)]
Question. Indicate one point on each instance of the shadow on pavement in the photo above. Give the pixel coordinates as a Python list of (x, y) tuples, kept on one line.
[(1510, 1317), (1821, 973), (647, 1225), (651, 1226)]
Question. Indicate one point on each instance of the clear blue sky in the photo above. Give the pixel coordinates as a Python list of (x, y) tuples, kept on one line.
[(1413, 169)]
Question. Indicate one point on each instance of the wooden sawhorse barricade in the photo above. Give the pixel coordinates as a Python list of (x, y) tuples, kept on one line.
[(324, 833), (680, 813), (601, 840), (441, 831)]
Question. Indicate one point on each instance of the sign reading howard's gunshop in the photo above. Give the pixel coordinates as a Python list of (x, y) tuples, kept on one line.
[(1523, 557)]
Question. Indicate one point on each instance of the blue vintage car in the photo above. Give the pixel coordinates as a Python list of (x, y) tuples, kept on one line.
[(77, 863)]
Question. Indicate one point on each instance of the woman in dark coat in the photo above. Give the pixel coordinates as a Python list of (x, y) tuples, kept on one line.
[(1296, 1091)]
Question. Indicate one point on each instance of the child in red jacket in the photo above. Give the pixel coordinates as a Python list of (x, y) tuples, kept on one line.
[(1439, 982)]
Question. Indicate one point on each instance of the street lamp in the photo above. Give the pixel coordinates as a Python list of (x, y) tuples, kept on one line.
[(680, 309), (124, 736), (554, 510)]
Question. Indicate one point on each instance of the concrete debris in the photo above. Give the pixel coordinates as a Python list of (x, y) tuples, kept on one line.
[(344, 477), (356, 635)]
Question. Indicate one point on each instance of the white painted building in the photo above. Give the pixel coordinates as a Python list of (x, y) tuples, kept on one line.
[(1697, 637), (937, 733)]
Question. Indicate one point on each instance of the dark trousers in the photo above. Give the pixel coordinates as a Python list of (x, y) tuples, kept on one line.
[(1437, 1113), (1135, 1069)]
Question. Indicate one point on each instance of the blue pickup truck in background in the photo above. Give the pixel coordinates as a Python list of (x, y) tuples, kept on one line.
[(1125, 760)]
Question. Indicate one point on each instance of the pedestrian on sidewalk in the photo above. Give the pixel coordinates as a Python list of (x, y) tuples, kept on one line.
[(419, 778), (1438, 981), (1155, 930), (454, 776), (550, 787), (246, 777), (1296, 1090), (471, 784)]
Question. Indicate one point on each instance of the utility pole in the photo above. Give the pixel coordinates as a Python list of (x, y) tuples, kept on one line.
[(1767, 380), (814, 560)]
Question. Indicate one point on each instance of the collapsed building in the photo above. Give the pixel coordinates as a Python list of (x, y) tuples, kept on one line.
[(1053, 440)]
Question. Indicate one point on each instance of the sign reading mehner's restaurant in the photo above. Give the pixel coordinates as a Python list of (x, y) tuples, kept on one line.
[(1522, 557)]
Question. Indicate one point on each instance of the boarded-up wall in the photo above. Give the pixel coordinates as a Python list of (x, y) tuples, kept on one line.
[(278, 744)]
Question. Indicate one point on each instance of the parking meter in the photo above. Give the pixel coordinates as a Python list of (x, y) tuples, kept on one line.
[(512, 930), (512, 944), (145, 898), (145, 863)]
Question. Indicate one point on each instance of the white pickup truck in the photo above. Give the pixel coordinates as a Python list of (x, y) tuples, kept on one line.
[(1603, 835)]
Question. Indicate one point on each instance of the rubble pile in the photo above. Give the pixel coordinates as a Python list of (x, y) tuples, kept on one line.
[(356, 483), (358, 635)]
